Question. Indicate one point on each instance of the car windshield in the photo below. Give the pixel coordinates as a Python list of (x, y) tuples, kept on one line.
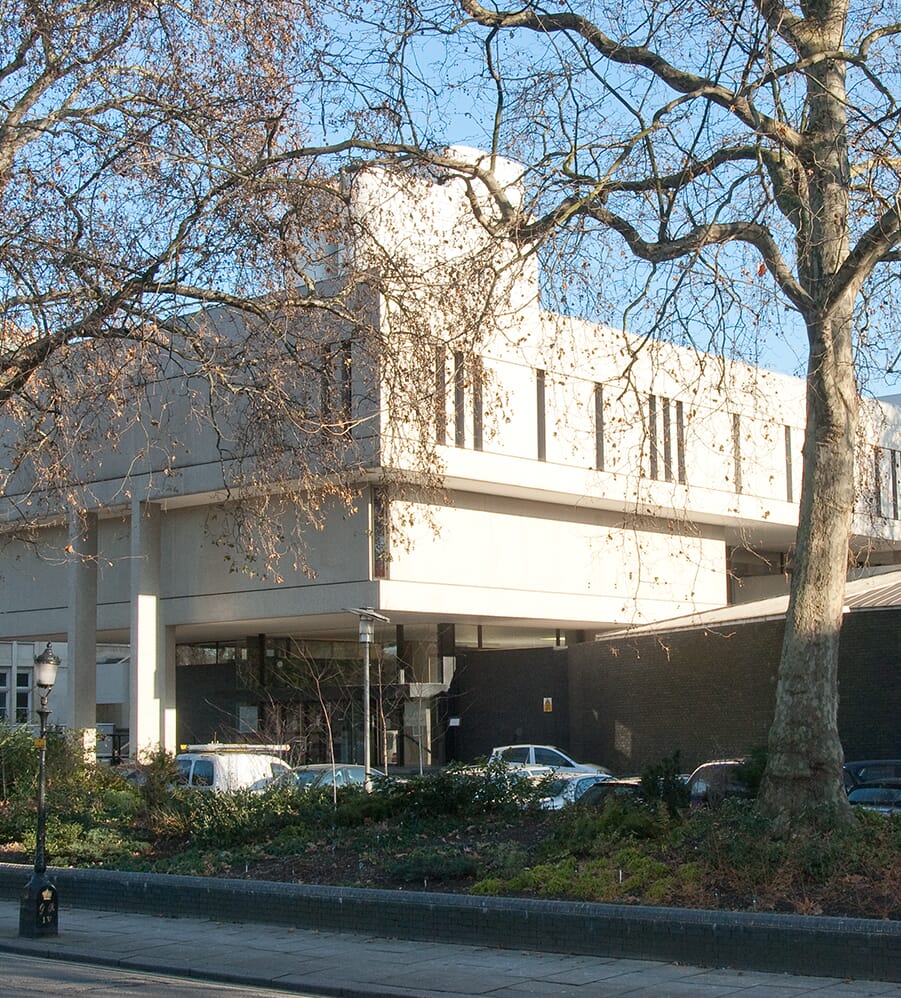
[(307, 777), (890, 796)]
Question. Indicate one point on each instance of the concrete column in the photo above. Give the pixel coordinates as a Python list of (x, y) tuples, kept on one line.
[(81, 702), (167, 692), (148, 639)]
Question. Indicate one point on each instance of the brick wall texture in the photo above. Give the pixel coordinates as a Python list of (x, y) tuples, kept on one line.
[(706, 692)]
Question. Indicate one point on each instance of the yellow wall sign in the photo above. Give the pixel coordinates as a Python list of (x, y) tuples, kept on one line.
[(548, 705)]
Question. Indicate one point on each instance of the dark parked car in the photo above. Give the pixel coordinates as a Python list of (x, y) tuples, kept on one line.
[(713, 781), (868, 770), (600, 793), (879, 795)]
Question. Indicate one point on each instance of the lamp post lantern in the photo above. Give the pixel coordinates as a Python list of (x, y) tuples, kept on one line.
[(38, 906), (368, 617)]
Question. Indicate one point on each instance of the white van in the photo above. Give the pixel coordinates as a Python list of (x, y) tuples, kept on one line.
[(216, 766)]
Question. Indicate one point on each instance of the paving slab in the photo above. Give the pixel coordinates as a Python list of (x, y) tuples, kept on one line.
[(362, 966)]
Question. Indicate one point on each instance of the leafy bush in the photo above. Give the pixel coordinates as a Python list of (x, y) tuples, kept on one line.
[(18, 761), (664, 781), (751, 772), (432, 864), (156, 775)]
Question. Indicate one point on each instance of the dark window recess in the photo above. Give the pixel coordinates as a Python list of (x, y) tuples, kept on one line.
[(680, 443), (542, 417), (459, 400), (478, 377), (380, 534), (440, 394), (599, 427), (736, 452), (666, 439), (347, 396), (667, 442), (789, 471)]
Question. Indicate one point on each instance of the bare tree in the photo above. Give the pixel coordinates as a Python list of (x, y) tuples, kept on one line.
[(748, 153), (174, 272), (159, 158)]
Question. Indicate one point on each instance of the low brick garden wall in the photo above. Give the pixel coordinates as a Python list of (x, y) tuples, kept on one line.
[(818, 946)]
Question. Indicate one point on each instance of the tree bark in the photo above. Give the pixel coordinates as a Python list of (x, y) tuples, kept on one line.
[(804, 772)]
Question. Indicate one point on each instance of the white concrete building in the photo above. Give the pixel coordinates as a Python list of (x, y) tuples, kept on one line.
[(591, 481)]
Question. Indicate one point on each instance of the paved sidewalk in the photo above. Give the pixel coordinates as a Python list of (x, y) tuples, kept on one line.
[(359, 966)]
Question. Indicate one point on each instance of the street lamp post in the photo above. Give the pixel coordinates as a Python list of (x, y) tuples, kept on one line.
[(368, 617), (38, 906)]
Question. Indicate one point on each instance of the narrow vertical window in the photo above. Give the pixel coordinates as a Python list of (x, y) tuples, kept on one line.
[(667, 442), (380, 534), (459, 400), (680, 443), (347, 397), (440, 394), (652, 434), (599, 427), (894, 457), (477, 403), (789, 472), (877, 476), (23, 697), (736, 450), (4, 694), (326, 383), (542, 426)]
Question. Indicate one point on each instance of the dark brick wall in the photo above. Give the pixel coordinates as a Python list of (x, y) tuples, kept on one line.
[(206, 703), (832, 947), (499, 697), (706, 693), (869, 681), (627, 702)]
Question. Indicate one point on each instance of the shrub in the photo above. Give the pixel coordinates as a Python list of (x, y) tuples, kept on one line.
[(751, 772), (432, 864), (157, 775), (18, 761), (664, 781)]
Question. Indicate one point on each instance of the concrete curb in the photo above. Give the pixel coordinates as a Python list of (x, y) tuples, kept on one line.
[(829, 947)]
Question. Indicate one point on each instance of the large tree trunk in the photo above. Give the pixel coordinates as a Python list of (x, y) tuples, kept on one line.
[(805, 754), (803, 772)]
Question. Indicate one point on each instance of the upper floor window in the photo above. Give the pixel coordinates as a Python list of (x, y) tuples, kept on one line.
[(465, 376), (381, 534), (666, 439), (599, 456), (336, 383), (789, 471), (478, 377), (440, 394), (886, 476), (459, 400), (542, 415)]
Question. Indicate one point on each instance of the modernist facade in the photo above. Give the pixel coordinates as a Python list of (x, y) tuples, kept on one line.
[(591, 482)]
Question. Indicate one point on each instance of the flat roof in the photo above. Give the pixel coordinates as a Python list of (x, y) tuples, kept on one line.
[(880, 587)]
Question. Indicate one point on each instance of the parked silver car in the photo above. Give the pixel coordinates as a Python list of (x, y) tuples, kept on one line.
[(567, 788), (319, 775), (542, 755)]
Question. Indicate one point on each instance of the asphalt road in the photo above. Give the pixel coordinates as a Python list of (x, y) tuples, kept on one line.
[(26, 977)]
